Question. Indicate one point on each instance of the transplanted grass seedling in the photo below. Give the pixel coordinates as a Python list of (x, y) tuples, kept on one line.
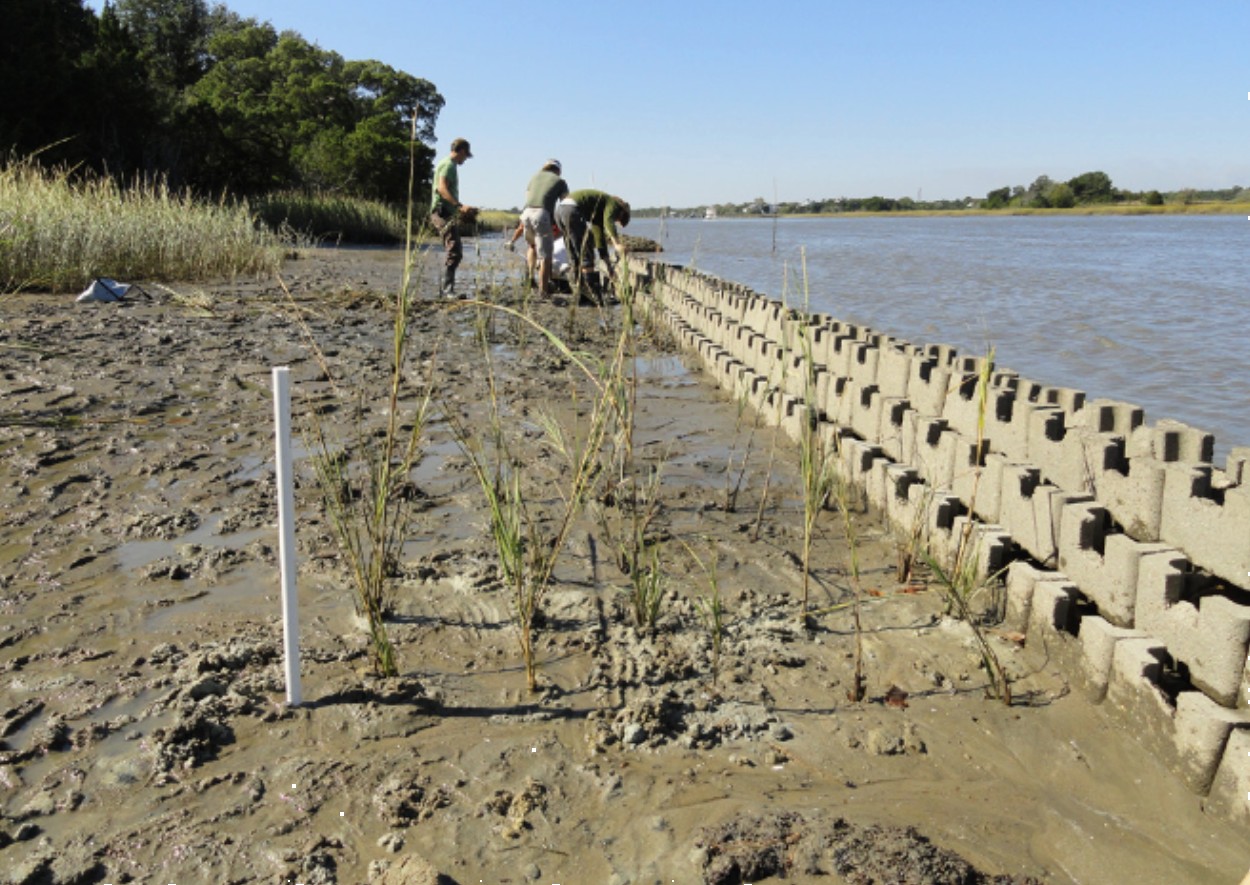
[(960, 580), (529, 547), (711, 606), (365, 482)]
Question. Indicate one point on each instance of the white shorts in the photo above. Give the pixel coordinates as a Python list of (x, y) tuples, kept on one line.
[(536, 223)]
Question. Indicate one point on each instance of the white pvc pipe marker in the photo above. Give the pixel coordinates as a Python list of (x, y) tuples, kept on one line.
[(286, 531)]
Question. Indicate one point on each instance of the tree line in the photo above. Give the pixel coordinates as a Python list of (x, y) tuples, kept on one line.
[(207, 100), (1087, 189)]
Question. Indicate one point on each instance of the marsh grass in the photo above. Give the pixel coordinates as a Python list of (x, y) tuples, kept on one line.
[(734, 483), (62, 229), (711, 606), (960, 580), (333, 217), (529, 544), (629, 500), (365, 482)]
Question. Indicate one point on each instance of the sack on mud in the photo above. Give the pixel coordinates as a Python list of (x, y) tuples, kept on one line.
[(104, 289)]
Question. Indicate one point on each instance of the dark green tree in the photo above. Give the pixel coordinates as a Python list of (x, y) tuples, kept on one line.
[(1092, 187), (1035, 196), (172, 36), (42, 98), (277, 111), (121, 112), (1060, 196), (997, 199)]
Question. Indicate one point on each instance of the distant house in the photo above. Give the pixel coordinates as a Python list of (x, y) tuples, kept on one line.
[(709, 212)]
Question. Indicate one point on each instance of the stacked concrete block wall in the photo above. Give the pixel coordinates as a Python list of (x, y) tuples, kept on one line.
[(1129, 549)]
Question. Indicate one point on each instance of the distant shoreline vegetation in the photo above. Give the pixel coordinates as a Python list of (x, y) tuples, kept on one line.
[(976, 212), (1091, 193)]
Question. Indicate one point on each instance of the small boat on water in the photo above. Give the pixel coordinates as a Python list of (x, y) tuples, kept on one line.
[(709, 213)]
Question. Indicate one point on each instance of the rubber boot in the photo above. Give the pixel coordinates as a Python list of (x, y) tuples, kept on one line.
[(447, 289)]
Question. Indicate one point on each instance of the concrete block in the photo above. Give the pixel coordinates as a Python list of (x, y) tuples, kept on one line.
[(1229, 796), (1134, 497), (1109, 416), (988, 501), (832, 347), (960, 455), (1098, 638), (1210, 524), (1210, 635), (1171, 442), (1031, 510), (900, 511), (862, 363), (1189, 737), (987, 546), (831, 391), (894, 412), (865, 412), (962, 409), (922, 437), (1202, 732), (1072, 458), (894, 368), (855, 460), (1053, 610), (1067, 399), (1021, 578), (928, 378), (1105, 566)]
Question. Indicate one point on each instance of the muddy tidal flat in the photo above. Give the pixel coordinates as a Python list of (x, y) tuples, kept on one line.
[(144, 734)]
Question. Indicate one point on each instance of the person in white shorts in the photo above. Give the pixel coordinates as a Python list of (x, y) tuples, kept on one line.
[(544, 189)]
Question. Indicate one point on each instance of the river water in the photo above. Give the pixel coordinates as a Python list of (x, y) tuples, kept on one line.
[(1151, 310)]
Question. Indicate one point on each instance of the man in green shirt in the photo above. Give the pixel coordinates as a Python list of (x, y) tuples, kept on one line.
[(445, 207), (602, 213)]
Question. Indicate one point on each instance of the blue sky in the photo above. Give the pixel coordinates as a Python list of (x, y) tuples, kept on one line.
[(687, 103)]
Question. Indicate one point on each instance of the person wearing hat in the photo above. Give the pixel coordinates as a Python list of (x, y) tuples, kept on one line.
[(544, 189), (445, 209)]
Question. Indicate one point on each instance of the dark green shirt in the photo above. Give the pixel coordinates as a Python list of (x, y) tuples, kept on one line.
[(544, 190), (599, 210)]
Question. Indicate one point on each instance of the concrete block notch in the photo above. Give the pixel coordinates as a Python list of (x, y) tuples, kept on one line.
[(1104, 564), (1211, 524), (1204, 629)]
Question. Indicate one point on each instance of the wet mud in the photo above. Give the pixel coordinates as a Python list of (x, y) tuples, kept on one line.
[(143, 731)]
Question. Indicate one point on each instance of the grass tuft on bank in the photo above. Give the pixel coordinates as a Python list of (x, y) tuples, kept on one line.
[(59, 230)]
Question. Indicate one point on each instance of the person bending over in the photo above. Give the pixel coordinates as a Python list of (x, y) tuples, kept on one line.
[(603, 212)]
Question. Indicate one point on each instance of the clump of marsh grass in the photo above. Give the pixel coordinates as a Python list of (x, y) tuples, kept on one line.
[(529, 546), (365, 484), (64, 228), (628, 503), (733, 484), (335, 217), (711, 607), (961, 580)]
